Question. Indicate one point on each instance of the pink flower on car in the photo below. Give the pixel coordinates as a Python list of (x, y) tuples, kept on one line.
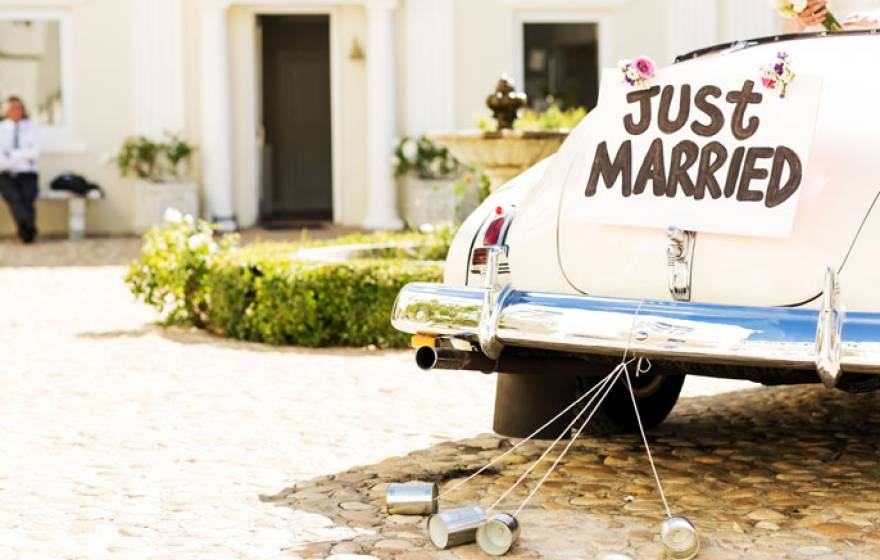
[(645, 66), (638, 71)]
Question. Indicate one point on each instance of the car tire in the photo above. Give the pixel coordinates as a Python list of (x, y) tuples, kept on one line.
[(858, 383), (524, 402), (656, 395)]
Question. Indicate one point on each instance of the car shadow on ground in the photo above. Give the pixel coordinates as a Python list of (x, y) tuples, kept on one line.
[(195, 336), (765, 473)]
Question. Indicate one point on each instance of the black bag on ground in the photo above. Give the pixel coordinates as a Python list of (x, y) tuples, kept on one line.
[(76, 184)]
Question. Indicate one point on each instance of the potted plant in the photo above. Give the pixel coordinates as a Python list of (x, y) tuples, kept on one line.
[(428, 177), (162, 172)]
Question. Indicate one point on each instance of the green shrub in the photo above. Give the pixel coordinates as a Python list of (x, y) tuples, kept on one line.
[(264, 293), (173, 268)]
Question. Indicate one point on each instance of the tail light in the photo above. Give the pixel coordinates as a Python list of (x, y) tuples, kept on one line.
[(481, 257), (493, 232), (491, 238)]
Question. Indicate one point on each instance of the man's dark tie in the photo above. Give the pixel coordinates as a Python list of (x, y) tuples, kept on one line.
[(15, 145)]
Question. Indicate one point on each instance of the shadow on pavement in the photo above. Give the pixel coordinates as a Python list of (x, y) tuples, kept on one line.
[(194, 336), (784, 472)]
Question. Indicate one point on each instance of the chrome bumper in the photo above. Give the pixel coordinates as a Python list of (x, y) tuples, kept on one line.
[(824, 339)]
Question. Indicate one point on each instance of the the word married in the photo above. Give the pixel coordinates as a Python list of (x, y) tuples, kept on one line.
[(695, 170)]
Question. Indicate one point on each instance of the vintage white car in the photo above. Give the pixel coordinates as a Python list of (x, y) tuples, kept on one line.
[(703, 221)]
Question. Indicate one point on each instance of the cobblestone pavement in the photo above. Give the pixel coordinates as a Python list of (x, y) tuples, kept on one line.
[(769, 473), (124, 440)]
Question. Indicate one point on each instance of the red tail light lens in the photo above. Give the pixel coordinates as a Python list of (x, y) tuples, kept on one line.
[(493, 232)]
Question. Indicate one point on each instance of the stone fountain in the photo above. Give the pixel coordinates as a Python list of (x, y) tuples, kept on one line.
[(505, 153)]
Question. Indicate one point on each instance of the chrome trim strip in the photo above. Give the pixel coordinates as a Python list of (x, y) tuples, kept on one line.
[(829, 331), (696, 332), (493, 303)]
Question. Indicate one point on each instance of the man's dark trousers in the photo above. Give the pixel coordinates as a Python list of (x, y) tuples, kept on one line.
[(20, 193)]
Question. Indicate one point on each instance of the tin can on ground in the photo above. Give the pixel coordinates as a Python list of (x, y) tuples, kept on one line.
[(455, 527), (413, 498), (680, 539), (497, 535)]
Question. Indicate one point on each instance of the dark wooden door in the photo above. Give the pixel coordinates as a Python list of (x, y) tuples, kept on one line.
[(297, 157)]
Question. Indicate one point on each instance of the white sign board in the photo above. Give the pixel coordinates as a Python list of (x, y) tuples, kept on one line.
[(698, 151)]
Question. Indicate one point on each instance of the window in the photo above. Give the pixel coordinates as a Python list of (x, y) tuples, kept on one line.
[(561, 64), (30, 67)]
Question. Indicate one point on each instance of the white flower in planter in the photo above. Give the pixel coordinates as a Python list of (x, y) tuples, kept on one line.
[(173, 216), (410, 150), (436, 167)]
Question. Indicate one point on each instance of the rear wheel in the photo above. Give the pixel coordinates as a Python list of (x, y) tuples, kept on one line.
[(523, 403), (656, 395)]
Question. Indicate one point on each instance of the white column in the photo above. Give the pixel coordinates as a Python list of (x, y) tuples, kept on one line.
[(382, 192), (157, 40), (693, 24), (430, 65), (216, 144)]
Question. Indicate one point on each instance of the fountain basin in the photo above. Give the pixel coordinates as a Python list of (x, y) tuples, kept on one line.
[(502, 155)]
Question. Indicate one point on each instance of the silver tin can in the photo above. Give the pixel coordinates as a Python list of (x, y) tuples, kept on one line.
[(680, 539), (414, 498), (497, 535), (456, 526)]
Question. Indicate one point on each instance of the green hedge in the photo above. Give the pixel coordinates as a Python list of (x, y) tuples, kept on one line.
[(263, 293), (278, 300)]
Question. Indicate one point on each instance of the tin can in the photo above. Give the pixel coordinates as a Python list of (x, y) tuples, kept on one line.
[(456, 526), (497, 535), (680, 539), (414, 498)]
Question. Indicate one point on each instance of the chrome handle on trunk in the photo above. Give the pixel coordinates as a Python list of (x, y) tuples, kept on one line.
[(679, 255)]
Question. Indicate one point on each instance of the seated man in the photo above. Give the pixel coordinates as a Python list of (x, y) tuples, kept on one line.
[(19, 155)]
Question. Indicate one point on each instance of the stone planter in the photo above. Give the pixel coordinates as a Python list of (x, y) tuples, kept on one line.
[(153, 199), (434, 201)]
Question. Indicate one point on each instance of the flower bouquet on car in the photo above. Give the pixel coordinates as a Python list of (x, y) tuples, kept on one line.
[(794, 9)]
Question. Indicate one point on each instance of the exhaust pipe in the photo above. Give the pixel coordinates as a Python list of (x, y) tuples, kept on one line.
[(430, 358)]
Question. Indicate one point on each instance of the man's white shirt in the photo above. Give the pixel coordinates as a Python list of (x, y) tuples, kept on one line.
[(23, 155)]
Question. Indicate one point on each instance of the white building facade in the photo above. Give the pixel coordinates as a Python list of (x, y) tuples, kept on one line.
[(295, 105)]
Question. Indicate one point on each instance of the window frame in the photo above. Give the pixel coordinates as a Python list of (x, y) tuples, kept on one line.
[(522, 18), (55, 138)]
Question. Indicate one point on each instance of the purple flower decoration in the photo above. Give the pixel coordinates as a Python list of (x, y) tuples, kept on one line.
[(778, 75)]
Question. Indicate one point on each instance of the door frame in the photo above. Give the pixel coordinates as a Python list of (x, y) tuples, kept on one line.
[(252, 115)]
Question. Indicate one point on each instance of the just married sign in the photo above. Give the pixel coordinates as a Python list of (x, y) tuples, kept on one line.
[(701, 152)]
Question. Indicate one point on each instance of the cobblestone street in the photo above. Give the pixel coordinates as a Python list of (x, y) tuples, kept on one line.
[(125, 440)]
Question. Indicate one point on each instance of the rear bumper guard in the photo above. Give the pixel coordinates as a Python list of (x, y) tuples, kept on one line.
[(825, 339)]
